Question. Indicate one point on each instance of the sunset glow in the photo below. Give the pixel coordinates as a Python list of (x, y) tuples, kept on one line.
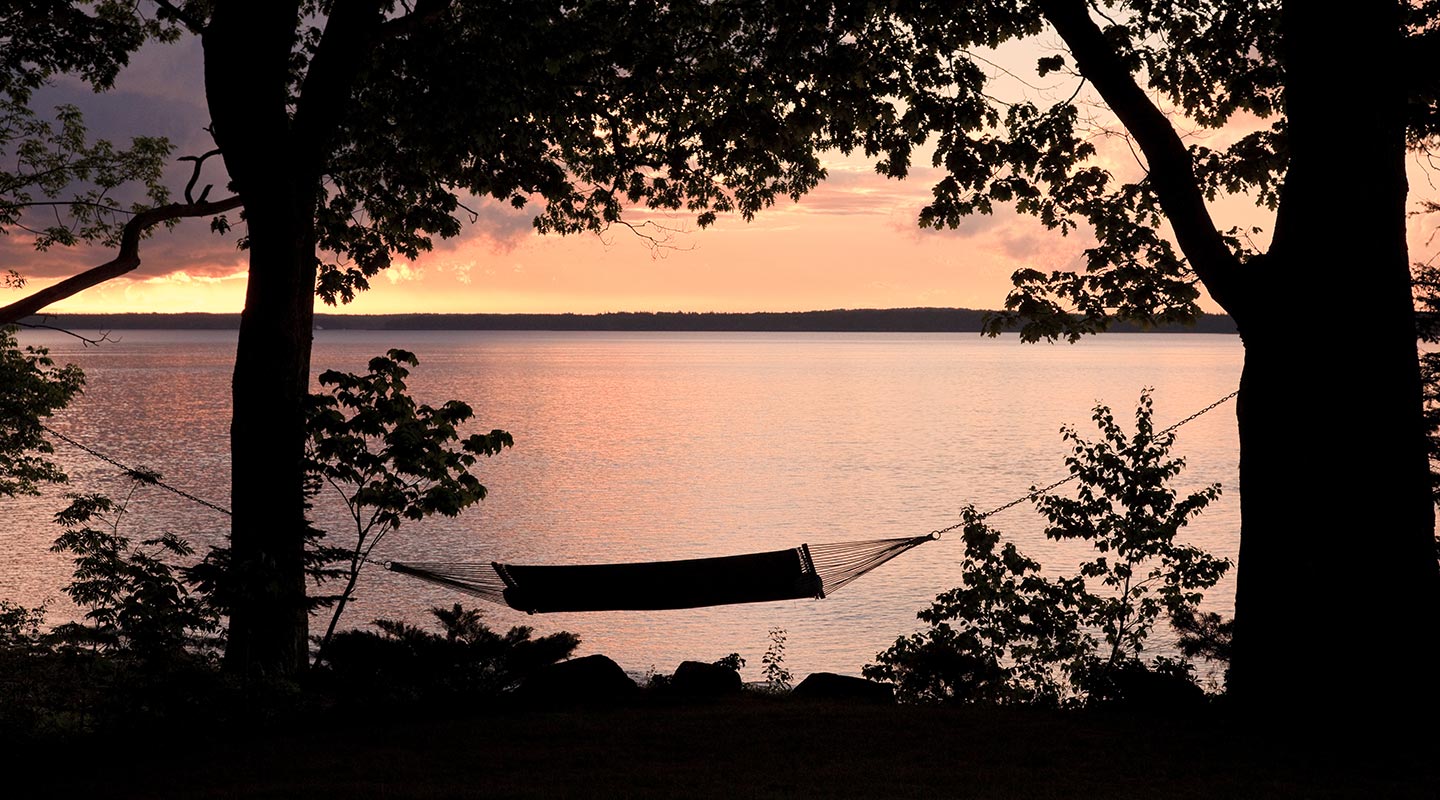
[(853, 242)]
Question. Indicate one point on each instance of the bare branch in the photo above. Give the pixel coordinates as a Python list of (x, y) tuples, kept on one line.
[(659, 238), (104, 335), (195, 175), (126, 260)]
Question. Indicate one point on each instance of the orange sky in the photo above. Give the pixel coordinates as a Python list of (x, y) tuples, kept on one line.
[(852, 243)]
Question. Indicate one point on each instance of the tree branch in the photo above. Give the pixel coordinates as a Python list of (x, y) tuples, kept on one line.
[(331, 77), (1171, 171), (425, 12), (195, 175), (104, 335), (126, 260), (191, 22)]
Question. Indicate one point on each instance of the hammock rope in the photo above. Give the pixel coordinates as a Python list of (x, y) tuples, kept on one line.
[(807, 571)]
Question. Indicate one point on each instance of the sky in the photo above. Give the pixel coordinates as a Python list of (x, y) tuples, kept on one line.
[(853, 242)]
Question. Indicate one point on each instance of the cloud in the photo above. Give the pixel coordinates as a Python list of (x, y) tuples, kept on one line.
[(404, 272), (184, 278), (496, 226)]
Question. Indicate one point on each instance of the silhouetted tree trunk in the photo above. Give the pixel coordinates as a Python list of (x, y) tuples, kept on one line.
[(1337, 568), (246, 53), (1337, 565), (275, 156)]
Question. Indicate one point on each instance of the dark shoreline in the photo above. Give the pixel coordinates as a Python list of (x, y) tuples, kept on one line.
[(896, 320), (742, 748)]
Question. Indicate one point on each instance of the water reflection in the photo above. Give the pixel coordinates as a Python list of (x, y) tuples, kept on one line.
[(655, 446)]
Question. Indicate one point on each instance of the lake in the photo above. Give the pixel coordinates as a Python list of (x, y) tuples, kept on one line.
[(645, 446)]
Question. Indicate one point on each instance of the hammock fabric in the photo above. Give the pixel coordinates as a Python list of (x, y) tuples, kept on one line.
[(800, 572)]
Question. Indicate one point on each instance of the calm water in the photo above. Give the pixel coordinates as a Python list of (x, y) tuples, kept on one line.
[(639, 446)]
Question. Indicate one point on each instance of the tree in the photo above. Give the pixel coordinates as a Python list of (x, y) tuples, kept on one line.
[(389, 459), (1332, 452), (135, 599), (1427, 301), (1011, 634), (361, 129), (32, 388), (57, 185)]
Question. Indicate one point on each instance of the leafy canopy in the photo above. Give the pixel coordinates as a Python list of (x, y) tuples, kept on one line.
[(56, 184), (584, 111), (1035, 144)]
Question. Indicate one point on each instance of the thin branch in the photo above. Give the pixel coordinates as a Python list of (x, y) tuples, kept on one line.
[(80, 203), (195, 175), (657, 242), (104, 335), (126, 260)]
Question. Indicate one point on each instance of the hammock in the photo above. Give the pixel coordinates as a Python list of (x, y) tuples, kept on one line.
[(800, 572), (804, 571)]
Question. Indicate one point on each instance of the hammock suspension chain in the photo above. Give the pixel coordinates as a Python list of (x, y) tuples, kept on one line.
[(1046, 488), (148, 478)]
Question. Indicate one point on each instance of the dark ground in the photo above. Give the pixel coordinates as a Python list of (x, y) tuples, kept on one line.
[(743, 748)]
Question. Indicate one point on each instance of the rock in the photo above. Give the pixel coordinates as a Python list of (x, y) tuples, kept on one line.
[(829, 686), (591, 679), (698, 679)]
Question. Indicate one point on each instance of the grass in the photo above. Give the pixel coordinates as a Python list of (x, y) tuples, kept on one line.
[(748, 747)]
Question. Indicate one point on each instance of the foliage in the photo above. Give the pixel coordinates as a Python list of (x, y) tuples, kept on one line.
[(19, 626), (58, 186), (733, 661), (1426, 278), (1010, 634), (716, 108), (1168, 74), (468, 662), (1204, 635), (1127, 511), (32, 389), (389, 458), (95, 40), (777, 676), (134, 598), (141, 656)]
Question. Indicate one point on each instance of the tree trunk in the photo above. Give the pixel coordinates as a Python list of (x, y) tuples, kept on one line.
[(247, 49), (276, 145), (1337, 573), (270, 622)]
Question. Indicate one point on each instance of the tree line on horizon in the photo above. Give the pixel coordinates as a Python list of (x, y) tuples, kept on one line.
[(879, 320)]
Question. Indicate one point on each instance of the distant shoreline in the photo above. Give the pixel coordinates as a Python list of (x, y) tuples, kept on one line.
[(891, 320)]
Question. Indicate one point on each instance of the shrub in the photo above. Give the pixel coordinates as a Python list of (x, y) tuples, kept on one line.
[(468, 662), (1012, 635)]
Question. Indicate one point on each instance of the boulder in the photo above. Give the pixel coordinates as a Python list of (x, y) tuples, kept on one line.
[(830, 686), (591, 679), (698, 679)]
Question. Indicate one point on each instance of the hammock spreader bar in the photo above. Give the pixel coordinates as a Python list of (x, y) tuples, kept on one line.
[(797, 573)]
